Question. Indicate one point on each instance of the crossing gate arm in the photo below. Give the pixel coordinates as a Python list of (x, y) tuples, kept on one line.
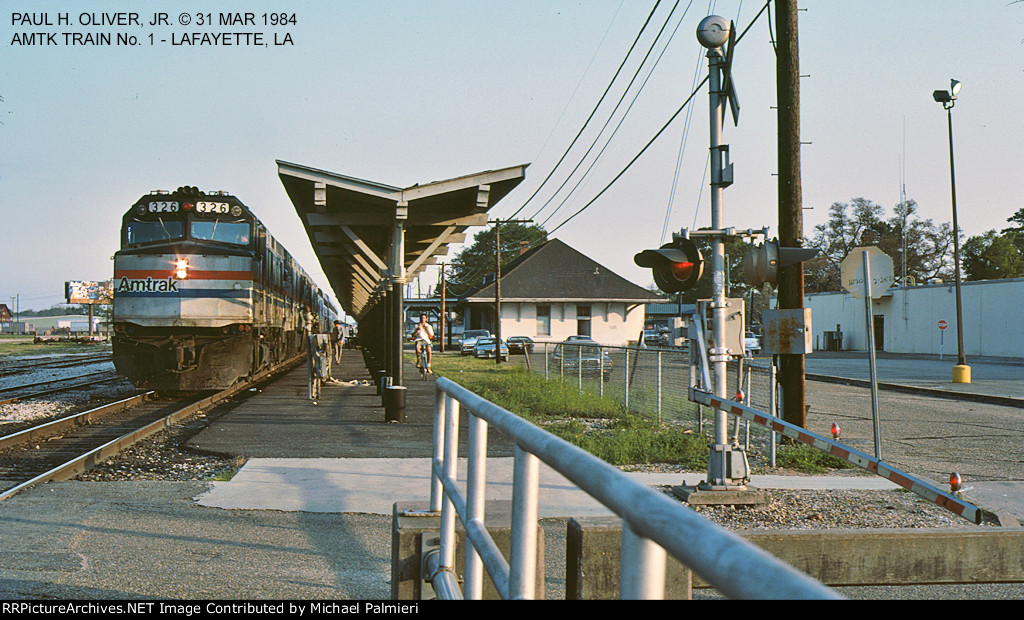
[(876, 466)]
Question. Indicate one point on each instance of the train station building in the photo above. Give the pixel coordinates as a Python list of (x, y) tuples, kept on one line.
[(553, 291)]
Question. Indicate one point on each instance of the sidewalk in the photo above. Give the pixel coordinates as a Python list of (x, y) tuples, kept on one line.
[(993, 380)]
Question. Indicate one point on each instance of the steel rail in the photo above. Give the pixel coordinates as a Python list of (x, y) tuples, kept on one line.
[(81, 463), (78, 419), (872, 464), (731, 564), (58, 380), (16, 368), (66, 388)]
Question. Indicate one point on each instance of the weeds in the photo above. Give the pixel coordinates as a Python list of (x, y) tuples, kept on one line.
[(598, 425), (808, 460)]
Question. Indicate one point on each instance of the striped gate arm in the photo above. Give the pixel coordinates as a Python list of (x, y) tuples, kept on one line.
[(876, 466)]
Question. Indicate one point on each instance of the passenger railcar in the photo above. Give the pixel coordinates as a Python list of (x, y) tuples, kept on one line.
[(204, 296)]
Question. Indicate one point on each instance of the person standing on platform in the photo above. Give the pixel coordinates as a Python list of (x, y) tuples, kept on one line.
[(337, 340)]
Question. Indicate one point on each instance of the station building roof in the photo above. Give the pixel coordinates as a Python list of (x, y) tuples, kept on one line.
[(352, 224)]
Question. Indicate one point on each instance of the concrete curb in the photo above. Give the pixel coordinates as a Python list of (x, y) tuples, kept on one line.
[(1005, 401)]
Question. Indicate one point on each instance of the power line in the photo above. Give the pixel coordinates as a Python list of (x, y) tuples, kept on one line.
[(622, 119), (658, 134)]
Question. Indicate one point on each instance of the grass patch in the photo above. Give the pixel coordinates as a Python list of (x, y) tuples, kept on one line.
[(620, 438), (21, 347), (808, 460), (635, 440)]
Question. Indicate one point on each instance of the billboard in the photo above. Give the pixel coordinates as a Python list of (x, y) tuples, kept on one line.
[(82, 292)]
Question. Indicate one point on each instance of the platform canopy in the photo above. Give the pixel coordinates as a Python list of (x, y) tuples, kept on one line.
[(369, 236)]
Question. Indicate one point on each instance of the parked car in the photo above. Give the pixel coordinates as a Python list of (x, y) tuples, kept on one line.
[(485, 348), (654, 338), (578, 356), (469, 340), (751, 343), (520, 344)]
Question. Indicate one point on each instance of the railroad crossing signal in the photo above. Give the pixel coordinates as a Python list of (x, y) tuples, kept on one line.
[(676, 266), (762, 262)]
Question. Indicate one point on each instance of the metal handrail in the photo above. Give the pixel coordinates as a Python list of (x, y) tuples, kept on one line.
[(652, 523)]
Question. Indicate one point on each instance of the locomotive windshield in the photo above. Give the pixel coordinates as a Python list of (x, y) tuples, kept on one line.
[(188, 214), (233, 232), (150, 231)]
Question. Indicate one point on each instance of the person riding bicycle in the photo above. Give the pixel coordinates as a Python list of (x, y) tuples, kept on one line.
[(422, 336)]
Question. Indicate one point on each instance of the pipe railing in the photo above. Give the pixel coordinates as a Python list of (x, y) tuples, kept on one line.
[(653, 524)]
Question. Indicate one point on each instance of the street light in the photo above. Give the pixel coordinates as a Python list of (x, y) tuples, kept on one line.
[(961, 372)]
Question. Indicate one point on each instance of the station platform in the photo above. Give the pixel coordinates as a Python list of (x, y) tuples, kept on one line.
[(338, 454)]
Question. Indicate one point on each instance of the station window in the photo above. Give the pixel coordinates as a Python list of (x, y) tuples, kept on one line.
[(583, 320), (543, 320)]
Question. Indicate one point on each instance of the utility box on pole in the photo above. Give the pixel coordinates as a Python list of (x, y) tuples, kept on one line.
[(787, 332)]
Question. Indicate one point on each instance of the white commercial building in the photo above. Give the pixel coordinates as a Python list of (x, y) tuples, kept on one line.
[(909, 320)]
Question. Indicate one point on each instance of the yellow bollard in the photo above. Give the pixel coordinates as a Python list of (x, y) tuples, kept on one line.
[(961, 374)]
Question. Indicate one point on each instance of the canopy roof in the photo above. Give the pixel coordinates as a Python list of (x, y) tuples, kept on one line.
[(357, 228)]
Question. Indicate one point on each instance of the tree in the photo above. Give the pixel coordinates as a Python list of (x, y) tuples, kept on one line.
[(1018, 219), (993, 256), (475, 262), (928, 246)]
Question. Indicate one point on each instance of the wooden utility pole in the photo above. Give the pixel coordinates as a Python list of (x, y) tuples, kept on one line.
[(497, 283), (497, 292), (444, 314), (790, 279)]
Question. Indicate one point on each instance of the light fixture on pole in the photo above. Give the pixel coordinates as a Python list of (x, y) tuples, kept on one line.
[(961, 372)]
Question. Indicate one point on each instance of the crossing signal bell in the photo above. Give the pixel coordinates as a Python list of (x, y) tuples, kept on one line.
[(676, 266), (761, 265)]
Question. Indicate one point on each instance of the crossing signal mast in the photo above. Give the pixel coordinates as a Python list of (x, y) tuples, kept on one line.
[(677, 266)]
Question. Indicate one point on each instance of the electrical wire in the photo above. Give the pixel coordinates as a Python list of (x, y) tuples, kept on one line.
[(657, 135), (578, 84), (621, 120)]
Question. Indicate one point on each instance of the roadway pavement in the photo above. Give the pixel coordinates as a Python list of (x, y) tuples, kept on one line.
[(307, 516)]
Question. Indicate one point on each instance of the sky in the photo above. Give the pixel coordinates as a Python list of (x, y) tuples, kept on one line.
[(402, 92)]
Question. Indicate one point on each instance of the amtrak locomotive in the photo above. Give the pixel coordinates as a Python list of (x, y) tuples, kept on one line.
[(204, 296)]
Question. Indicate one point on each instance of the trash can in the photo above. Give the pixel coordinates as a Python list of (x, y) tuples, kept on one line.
[(394, 403)]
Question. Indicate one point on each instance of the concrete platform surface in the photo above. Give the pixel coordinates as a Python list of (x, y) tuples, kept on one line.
[(372, 486)]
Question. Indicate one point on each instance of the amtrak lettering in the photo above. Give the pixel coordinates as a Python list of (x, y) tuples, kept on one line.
[(149, 285)]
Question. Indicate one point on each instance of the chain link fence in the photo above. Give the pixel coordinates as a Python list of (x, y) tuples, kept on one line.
[(654, 382)]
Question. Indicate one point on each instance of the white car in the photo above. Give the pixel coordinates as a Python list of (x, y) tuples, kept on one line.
[(751, 343), (469, 338)]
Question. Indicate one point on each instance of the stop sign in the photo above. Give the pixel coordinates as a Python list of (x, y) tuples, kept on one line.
[(942, 325), (880, 266)]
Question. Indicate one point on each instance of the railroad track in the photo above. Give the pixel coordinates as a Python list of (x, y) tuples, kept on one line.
[(90, 379), (64, 448), (20, 367)]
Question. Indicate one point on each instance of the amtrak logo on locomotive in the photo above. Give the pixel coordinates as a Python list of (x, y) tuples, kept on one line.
[(149, 285)]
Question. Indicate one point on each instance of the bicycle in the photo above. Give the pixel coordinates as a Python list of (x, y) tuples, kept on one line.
[(422, 360)]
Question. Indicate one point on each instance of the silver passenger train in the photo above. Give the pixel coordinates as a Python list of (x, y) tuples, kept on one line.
[(204, 296)]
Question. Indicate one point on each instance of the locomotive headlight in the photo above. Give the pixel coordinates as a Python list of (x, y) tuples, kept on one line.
[(181, 269)]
